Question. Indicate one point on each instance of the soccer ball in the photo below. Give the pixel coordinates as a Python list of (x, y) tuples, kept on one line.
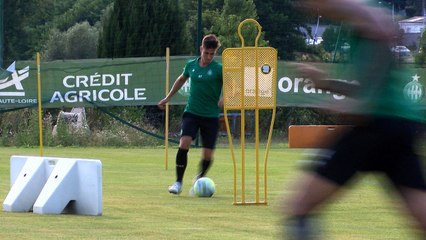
[(204, 187)]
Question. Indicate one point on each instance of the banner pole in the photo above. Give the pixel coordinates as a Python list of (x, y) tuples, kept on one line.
[(40, 118), (166, 129)]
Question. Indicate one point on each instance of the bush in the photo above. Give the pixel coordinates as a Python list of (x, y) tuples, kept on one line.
[(20, 128), (78, 42)]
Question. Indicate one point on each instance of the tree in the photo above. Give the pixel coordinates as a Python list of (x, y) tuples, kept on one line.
[(225, 24), (69, 13), (55, 47), (78, 42), (81, 41), (211, 10), (28, 24), (420, 59), (281, 22), (142, 28), (25, 28), (330, 35), (414, 8)]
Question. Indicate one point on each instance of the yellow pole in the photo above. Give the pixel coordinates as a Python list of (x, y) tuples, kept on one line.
[(268, 144), (256, 122), (40, 118), (231, 147), (242, 130), (166, 129)]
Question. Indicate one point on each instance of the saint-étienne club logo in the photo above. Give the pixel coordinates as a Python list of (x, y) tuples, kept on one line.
[(13, 78), (414, 90)]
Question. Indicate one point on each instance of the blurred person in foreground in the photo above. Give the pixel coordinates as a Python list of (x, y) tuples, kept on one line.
[(385, 123), (202, 109)]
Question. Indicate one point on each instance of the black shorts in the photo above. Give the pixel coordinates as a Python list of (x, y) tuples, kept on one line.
[(208, 126), (385, 145)]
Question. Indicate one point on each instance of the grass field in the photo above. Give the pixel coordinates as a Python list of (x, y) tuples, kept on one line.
[(136, 204)]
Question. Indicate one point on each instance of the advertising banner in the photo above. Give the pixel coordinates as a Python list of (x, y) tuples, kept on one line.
[(141, 81)]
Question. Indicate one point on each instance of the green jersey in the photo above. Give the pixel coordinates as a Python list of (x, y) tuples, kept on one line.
[(205, 85), (381, 82)]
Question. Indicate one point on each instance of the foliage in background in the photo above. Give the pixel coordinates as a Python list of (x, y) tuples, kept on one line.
[(420, 58), (29, 24), (68, 13), (138, 28), (282, 22), (78, 42), (412, 7), (25, 28), (20, 128), (226, 24), (211, 10), (142, 28)]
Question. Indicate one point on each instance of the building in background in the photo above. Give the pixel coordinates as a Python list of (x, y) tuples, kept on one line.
[(412, 29)]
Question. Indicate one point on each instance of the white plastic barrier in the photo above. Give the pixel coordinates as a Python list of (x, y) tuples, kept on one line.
[(50, 185)]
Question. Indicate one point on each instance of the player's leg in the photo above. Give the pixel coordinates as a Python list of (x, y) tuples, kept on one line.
[(181, 163), (405, 169), (332, 169), (406, 173), (415, 201), (209, 129), (312, 191), (205, 162), (189, 131), (182, 157)]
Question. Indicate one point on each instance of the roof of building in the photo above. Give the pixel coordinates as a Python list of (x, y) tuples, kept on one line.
[(417, 19)]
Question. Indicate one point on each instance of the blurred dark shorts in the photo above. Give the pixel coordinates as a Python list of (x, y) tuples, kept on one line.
[(384, 145), (208, 126)]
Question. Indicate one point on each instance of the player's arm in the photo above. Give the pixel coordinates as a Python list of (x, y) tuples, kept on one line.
[(322, 81), (176, 86), (337, 86), (220, 102)]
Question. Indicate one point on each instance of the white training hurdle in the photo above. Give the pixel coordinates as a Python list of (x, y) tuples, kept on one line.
[(51, 185)]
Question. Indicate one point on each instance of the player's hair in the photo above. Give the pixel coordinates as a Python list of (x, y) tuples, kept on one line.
[(211, 42)]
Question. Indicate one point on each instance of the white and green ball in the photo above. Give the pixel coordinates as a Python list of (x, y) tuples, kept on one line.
[(204, 187)]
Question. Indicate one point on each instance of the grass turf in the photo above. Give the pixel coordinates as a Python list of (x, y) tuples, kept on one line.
[(136, 204)]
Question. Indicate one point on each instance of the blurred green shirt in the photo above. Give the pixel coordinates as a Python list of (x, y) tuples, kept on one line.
[(381, 81)]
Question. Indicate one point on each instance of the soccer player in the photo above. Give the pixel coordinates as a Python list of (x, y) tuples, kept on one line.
[(202, 109), (385, 123)]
